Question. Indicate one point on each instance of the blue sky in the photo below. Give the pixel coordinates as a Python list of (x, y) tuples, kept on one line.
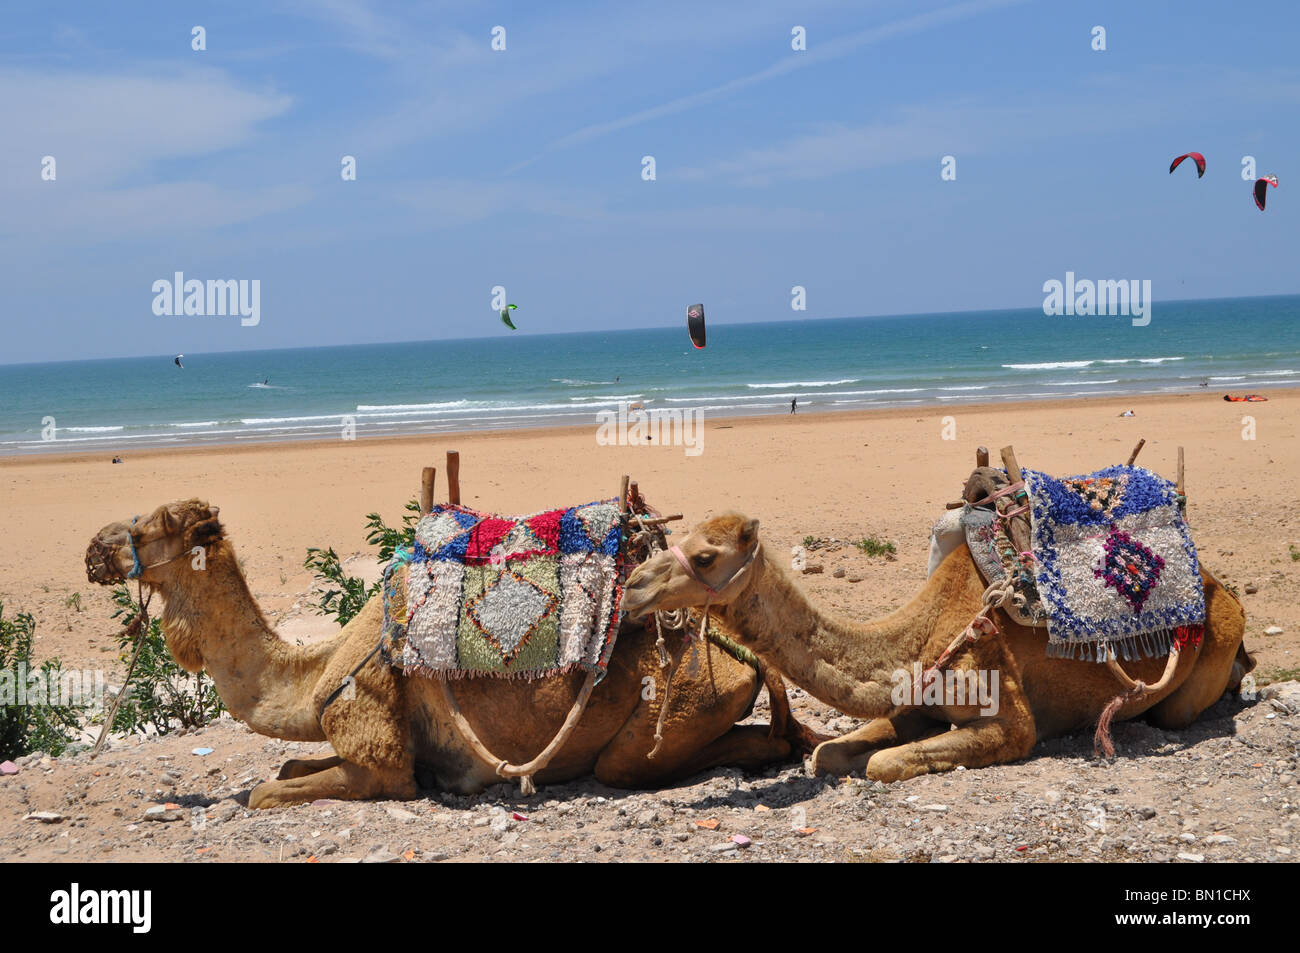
[(522, 168)]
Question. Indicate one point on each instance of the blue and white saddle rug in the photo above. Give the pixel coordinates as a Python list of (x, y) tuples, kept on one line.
[(1115, 565)]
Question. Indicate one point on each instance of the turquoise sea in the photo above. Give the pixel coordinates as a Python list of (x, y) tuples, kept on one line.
[(1240, 345)]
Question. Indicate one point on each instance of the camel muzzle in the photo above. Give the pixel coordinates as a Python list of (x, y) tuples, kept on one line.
[(101, 563)]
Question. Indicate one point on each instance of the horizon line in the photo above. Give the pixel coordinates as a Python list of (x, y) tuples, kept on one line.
[(653, 327)]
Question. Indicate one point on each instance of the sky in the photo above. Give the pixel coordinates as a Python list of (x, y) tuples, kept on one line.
[(523, 167)]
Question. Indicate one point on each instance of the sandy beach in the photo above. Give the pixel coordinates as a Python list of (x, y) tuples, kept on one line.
[(849, 475)]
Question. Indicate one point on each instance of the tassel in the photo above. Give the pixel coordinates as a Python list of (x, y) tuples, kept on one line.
[(1101, 742)]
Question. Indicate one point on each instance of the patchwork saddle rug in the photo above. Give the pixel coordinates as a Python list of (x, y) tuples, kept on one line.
[(1115, 566), (508, 596)]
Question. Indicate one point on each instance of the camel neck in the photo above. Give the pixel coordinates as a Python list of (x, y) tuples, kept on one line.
[(211, 622), (848, 665)]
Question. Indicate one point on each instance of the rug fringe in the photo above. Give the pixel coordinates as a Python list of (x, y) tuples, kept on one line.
[(1129, 648)]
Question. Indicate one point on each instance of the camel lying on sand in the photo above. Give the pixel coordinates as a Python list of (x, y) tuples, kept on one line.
[(853, 666), (390, 723)]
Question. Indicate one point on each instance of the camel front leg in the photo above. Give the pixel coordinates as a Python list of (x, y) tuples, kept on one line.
[(976, 744), (851, 752), (345, 782), (301, 767)]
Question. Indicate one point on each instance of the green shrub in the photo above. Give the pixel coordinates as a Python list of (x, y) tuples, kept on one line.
[(161, 694), (344, 596), (873, 546), (36, 725)]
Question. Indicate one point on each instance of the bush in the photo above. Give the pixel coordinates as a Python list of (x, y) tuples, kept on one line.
[(873, 546), (345, 595), (37, 725), (161, 695)]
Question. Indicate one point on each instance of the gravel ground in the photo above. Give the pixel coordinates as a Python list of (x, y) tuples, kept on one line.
[(1224, 790)]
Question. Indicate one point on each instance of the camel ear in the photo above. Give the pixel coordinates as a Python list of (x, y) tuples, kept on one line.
[(749, 532), (169, 522), (206, 532)]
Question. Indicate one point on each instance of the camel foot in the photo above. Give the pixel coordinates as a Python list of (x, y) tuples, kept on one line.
[(301, 767), (851, 752), (344, 782), (974, 745)]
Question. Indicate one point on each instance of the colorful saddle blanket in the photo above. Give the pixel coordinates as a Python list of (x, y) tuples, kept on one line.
[(1114, 564), (518, 596)]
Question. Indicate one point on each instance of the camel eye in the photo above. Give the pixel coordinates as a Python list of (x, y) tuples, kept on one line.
[(704, 560)]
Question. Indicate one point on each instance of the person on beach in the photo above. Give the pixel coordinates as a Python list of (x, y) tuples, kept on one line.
[(793, 402)]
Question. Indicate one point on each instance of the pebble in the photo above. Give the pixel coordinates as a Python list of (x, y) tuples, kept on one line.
[(401, 814), (1191, 858), (8, 767), (381, 855), (840, 573), (723, 848), (1273, 630), (45, 817), (1220, 839)]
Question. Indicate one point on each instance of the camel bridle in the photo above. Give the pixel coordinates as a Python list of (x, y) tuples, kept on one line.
[(712, 590), (138, 568)]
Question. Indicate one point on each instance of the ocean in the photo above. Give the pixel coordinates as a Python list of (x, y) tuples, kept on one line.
[(1240, 345)]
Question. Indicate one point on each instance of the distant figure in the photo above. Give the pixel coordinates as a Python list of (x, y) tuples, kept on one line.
[(793, 404), (1128, 413), (266, 382), (1205, 383), (117, 459), (177, 361)]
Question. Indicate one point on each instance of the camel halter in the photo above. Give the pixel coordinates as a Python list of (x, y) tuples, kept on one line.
[(137, 569)]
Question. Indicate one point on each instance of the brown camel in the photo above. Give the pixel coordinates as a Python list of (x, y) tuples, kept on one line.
[(388, 723), (855, 667)]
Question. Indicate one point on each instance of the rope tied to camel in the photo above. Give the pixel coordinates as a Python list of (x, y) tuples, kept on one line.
[(135, 629), (1133, 690), (996, 596)]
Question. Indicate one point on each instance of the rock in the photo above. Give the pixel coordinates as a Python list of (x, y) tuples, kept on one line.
[(741, 841), (1220, 839), (724, 847), (164, 812), (1273, 630), (1145, 813), (1251, 588), (814, 568), (936, 808), (8, 767), (45, 817), (502, 823), (855, 578), (840, 573), (381, 855), (401, 814), (1191, 858)]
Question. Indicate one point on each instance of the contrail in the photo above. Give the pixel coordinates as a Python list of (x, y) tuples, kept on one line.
[(826, 51)]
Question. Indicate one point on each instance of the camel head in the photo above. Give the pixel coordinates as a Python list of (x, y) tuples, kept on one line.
[(711, 567), (157, 541)]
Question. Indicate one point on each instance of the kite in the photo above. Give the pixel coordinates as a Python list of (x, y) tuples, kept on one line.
[(1261, 189), (695, 325), (177, 361), (1194, 156), (505, 317)]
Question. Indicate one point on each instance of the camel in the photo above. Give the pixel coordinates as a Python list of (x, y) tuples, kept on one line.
[(854, 667), (389, 724)]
